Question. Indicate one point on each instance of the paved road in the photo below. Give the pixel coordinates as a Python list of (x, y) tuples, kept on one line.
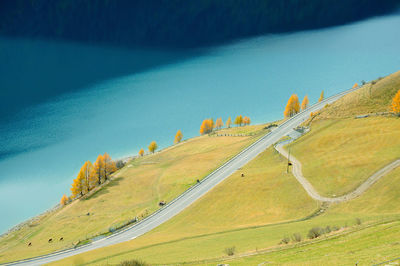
[(192, 194), (297, 172)]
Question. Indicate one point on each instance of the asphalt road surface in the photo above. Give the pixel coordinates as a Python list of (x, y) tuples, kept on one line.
[(192, 194)]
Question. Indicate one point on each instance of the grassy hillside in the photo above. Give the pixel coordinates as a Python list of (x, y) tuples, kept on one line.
[(134, 191), (351, 242), (373, 97), (253, 213), (339, 154), (377, 242)]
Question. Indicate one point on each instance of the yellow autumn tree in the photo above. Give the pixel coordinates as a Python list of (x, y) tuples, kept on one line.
[(87, 174), (99, 169), (109, 166), (228, 122), (153, 147), (396, 103), (141, 152), (321, 97), (305, 103), (64, 200), (206, 126), (77, 188), (246, 120), (355, 85), (239, 120), (178, 137), (292, 106), (218, 123)]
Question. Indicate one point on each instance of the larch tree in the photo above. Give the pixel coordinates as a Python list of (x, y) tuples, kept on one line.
[(305, 103), (141, 152), (178, 137), (246, 120), (228, 122), (77, 188), (88, 176), (109, 166), (206, 126), (355, 85), (239, 120), (153, 147), (99, 169), (321, 97), (64, 200), (292, 106), (218, 123), (396, 103)]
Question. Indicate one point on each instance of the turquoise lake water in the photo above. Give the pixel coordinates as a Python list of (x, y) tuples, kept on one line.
[(118, 101)]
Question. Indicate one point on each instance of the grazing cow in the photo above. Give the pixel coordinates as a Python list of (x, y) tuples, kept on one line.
[(50, 240), (198, 181), (162, 203), (61, 238), (30, 244), (242, 175)]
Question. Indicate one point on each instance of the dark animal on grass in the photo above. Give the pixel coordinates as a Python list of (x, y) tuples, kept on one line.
[(50, 240), (61, 238), (30, 244)]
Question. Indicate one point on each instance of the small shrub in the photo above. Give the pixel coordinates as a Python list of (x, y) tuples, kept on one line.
[(328, 229), (335, 228), (358, 221), (120, 164), (296, 237), (285, 240), (315, 232), (133, 263), (230, 251)]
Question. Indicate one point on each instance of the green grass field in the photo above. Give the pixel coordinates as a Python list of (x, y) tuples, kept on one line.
[(339, 154), (375, 215), (134, 191)]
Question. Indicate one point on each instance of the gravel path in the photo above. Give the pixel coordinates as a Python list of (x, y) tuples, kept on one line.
[(298, 174)]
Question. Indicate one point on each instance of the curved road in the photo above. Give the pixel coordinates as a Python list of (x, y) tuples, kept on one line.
[(192, 194), (297, 172)]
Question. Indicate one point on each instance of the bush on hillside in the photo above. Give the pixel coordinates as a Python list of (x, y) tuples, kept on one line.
[(285, 240), (358, 221), (315, 232), (328, 229), (133, 262), (335, 228), (230, 251), (296, 237), (120, 164)]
